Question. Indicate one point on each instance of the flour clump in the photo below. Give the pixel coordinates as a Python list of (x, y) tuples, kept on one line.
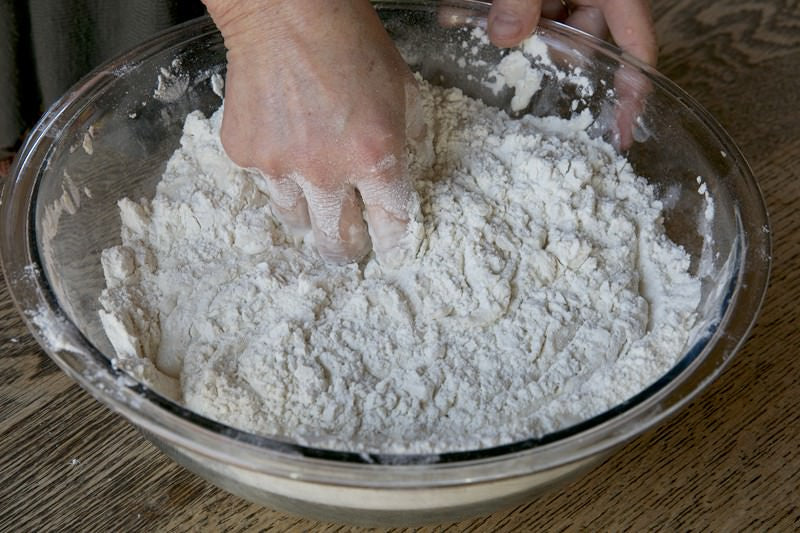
[(541, 290)]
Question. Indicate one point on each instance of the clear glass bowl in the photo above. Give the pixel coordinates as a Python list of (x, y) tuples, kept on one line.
[(109, 138)]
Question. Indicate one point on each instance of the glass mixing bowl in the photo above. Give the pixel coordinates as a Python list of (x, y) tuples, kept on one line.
[(109, 138)]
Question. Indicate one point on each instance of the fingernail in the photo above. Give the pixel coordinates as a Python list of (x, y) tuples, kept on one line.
[(640, 131), (505, 26)]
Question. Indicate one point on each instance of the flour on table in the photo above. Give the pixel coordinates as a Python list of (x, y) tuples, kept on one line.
[(541, 291)]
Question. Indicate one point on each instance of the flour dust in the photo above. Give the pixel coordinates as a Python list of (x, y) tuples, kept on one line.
[(541, 290)]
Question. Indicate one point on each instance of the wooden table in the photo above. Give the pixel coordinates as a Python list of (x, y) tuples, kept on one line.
[(731, 460)]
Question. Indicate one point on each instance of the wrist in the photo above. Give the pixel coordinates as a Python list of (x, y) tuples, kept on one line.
[(242, 21), (251, 24), (227, 13)]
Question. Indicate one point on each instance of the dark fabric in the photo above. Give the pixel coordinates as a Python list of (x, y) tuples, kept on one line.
[(47, 45), (12, 114)]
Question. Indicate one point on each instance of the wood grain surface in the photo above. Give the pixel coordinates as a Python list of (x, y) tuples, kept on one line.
[(730, 461)]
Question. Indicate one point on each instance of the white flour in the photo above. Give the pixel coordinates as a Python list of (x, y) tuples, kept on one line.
[(543, 291)]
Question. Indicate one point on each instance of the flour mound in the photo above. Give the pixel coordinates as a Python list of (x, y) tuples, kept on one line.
[(541, 291)]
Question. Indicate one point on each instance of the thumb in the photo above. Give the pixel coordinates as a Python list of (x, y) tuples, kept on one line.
[(511, 21)]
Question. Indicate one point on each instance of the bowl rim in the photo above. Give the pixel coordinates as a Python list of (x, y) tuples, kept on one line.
[(169, 421)]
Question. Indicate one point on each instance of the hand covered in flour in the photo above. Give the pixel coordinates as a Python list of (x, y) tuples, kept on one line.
[(319, 100), (628, 22)]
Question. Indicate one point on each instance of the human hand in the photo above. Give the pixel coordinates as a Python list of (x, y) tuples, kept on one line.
[(319, 100), (628, 22)]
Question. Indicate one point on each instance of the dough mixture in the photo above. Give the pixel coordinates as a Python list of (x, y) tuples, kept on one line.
[(541, 291)]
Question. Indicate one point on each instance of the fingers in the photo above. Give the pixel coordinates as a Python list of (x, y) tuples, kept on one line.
[(631, 89), (289, 204), (386, 194), (631, 25), (416, 129), (335, 215), (629, 22), (590, 19), (511, 21), (340, 233), (554, 10), (386, 190)]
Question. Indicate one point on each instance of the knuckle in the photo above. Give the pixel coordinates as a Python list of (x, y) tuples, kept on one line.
[(378, 151)]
